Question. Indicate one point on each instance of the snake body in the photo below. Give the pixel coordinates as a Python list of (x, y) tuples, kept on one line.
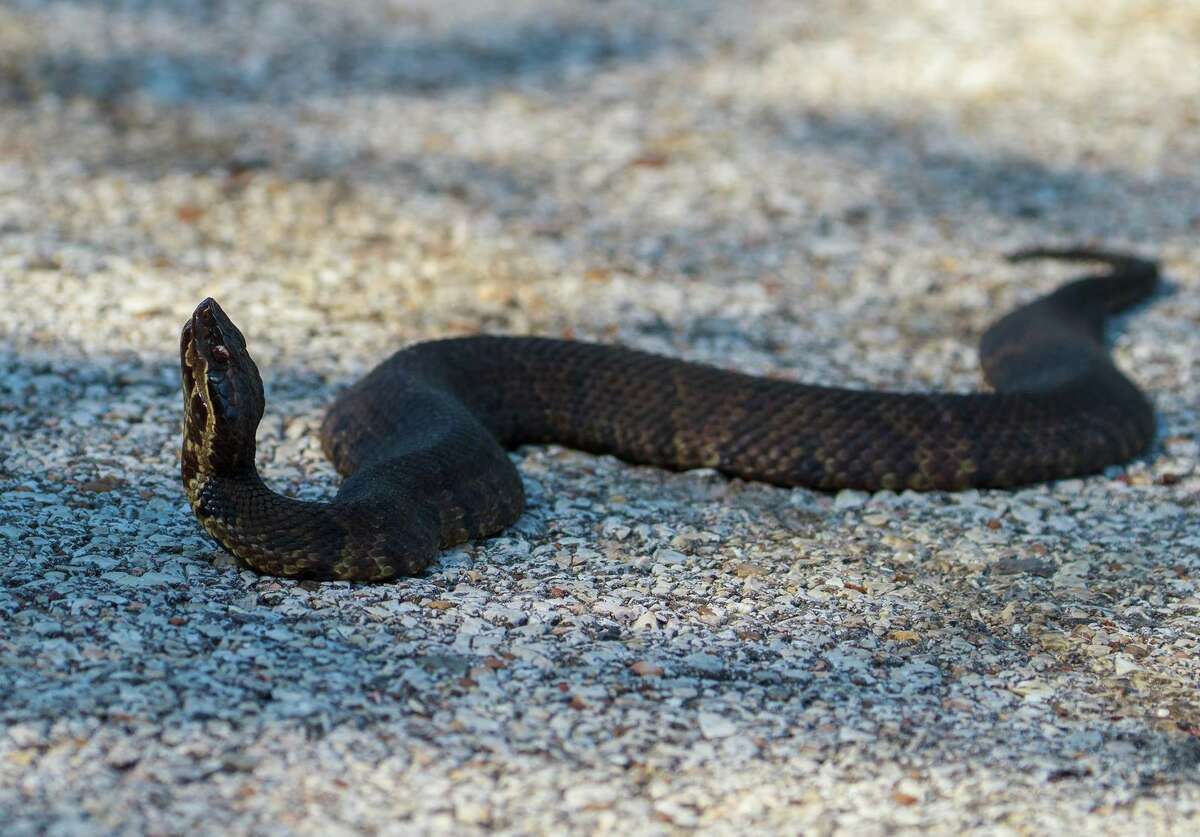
[(421, 440)]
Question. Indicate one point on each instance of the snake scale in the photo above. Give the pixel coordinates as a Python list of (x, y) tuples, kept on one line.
[(421, 440)]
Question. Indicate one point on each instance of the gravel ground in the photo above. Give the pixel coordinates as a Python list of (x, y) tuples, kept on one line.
[(816, 190)]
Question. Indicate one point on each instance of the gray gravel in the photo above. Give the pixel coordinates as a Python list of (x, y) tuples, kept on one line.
[(815, 190)]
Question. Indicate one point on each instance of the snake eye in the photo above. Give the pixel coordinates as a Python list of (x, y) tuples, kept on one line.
[(220, 353)]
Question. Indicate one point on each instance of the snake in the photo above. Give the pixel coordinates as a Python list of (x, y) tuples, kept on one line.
[(422, 440)]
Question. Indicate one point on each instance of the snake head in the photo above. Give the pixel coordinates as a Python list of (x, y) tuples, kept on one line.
[(222, 395)]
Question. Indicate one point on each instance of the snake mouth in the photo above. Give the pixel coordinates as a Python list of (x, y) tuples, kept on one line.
[(214, 358), (212, 334)]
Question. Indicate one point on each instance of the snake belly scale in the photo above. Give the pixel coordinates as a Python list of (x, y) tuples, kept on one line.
[(421, 441)]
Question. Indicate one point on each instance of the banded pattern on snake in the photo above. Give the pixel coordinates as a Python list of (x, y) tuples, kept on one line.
[(422, 439)]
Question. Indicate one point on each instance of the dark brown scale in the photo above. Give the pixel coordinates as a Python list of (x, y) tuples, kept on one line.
[(421, 440)]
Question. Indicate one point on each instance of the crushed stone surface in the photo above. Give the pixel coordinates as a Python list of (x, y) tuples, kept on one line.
[(820, 191)]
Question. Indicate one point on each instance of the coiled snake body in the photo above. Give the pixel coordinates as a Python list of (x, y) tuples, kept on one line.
[(421, 439)]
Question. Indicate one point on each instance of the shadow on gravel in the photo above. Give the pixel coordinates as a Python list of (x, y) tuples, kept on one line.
[(930, 168), (339, 55), (115, 614), (90, 455)]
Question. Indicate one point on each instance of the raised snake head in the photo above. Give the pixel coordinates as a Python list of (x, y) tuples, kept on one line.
[(223, 397)]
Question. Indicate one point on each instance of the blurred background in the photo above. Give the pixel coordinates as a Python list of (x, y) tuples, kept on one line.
[(507, 162)]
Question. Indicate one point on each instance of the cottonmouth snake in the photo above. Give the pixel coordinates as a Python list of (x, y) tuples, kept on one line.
[(421, 439)]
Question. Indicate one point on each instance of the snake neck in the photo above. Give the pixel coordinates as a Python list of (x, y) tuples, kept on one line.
[(221, 501), (350, 538)]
